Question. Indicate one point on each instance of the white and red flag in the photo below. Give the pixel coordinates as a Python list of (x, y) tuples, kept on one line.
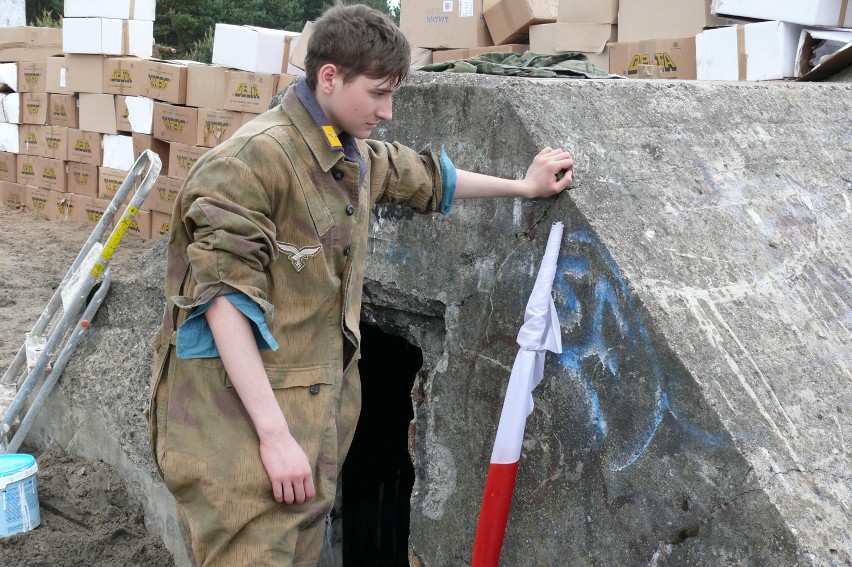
[(539, 333)]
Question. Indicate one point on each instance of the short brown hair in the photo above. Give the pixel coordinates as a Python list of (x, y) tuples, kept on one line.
[(358, 40)]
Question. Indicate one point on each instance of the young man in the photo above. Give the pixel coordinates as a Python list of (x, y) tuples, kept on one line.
[(255, 392)]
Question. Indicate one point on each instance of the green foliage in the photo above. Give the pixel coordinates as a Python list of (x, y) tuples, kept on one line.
[(202, 49), (44, 13), (46, 20)]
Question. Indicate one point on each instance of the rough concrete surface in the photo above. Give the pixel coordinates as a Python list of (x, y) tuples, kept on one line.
[(698, 414)]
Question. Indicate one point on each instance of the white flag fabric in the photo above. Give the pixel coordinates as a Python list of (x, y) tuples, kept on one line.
[(539, 333)]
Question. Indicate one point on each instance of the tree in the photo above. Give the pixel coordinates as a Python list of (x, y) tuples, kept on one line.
[(36, 10)]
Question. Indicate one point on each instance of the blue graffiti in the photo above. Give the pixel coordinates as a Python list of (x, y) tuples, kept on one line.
[(593, 352)]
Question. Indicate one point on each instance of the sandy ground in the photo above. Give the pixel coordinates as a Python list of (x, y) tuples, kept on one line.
[(88, 517)]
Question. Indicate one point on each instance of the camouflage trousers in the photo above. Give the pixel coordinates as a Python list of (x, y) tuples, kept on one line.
[(207, 451)]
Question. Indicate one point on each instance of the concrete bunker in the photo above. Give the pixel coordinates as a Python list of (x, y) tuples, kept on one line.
[(715, 249), (378, 474)]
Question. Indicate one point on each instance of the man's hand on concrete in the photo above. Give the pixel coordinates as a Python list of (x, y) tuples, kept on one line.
[(551, 171)]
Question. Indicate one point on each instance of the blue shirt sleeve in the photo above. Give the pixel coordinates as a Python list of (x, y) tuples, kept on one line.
[(195, 339), (448, 173)]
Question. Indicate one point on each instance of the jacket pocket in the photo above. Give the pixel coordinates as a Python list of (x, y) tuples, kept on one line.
[(308, 399), (162, 346), (286, 377)]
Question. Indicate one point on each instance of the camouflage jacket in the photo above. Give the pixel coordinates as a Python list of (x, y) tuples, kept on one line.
[(277, 214)]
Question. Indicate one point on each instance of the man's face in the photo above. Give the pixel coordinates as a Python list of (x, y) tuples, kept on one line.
[(358, 106)]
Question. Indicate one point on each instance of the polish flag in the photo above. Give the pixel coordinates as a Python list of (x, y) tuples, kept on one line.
[(539, 333)]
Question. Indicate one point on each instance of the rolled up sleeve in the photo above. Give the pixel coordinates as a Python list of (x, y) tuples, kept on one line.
[(403, 176), (231, 236), (195, 338)]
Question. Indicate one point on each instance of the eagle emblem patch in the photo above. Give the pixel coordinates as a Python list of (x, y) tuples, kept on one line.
[(298, 256)]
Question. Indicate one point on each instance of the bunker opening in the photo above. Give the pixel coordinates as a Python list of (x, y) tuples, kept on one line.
[(378, 474)]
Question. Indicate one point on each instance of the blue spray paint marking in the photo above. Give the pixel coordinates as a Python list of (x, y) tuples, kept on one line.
[(609, 296)]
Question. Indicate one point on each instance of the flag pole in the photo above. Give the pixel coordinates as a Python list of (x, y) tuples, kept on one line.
[(539, 333)]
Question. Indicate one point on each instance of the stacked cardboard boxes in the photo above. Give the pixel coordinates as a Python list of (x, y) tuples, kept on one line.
[(796, 38), (581, 25), (74, 120)]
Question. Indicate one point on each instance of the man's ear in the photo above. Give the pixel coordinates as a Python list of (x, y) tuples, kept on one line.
[(325, 78)]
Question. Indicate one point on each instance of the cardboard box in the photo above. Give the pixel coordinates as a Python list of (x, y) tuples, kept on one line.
[(586, 12), (250, 92), (834, 13), (29, 43), (9, 139), (108, 36), (652, 19), (298, 52), (122, 115), (160, 224), (251, 48), (60, 206), (164, 194), (78, 211), (92, 211), (118, 152), (442, 24), (37, 199), (118, 9), (181, 159), (753, 52), (827, 65), (166, 81), (124, 76), (56, 76), (675, 58), (34, 108), (30, 140), (62, 110), (592, 40), (142, 142), (9, 77), (81, 179), (140, 226), (205, 86), (27, 170), (509, 21), (134, 114), (53, 142), (109, 182), (13, 195), (451, 54), (32, 77), (8, 167), (85, 146), (51, 174), (562, 37), (11, 111), (216, 126), (96, 113), (175, 123), (85, 73), (420, 56)]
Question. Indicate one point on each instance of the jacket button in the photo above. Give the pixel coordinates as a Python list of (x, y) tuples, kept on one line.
[(350, 210), (346, 251), (337, 174), (314, 389)]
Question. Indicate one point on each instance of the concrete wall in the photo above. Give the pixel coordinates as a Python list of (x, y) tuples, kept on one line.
[(698, 413)]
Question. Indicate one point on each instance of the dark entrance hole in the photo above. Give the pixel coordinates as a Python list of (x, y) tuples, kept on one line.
[(378, 474)]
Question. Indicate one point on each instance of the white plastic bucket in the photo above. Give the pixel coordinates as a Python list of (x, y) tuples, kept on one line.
[(18, 494)]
